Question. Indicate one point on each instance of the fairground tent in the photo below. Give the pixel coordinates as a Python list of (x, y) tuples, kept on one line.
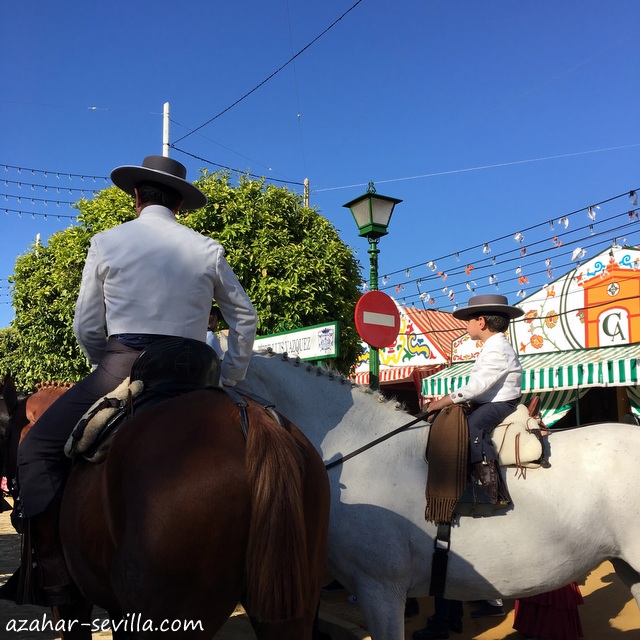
[(422, 348), (559, 378), (579, 333)]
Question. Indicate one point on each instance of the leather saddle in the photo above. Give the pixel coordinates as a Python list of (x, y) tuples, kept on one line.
[(167, 368), (518, 441), (176, 365)]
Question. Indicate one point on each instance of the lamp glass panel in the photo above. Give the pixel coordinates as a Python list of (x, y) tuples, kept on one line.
[(381, 211), (361, 212)]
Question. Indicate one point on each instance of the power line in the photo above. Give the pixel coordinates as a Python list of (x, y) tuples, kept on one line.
[(246, 95), (238, 171), (252, 161), (295, 82), (495, 165)]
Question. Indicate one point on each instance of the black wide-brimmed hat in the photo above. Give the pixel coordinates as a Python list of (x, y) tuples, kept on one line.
[(490, 304), (162, 170)]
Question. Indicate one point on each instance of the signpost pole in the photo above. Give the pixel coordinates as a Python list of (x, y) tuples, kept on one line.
[(374, 354)]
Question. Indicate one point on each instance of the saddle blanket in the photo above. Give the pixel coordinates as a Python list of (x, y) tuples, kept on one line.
[(518, 440), (84, 438)]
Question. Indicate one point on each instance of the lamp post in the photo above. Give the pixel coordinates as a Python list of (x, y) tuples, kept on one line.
[(372, 213)]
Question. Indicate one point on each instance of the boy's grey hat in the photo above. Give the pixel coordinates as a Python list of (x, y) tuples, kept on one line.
[(489, 304), (162, 170)]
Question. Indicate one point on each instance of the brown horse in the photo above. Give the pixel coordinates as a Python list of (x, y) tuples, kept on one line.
[(184, 519), (18, 415), (9, 401)]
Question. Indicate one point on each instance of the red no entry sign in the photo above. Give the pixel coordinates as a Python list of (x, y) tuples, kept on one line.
[(377, 319)]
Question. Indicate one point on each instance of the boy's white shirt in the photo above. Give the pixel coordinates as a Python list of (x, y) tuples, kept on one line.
[(496, 375)]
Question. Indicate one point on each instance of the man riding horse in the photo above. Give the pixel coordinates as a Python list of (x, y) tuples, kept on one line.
[(144, 280)]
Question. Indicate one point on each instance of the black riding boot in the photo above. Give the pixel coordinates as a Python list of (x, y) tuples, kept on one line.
[(53, 584), (488, 475)]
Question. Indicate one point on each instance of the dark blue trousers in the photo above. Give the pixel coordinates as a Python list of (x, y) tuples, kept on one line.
[(482, 420), (42, 465)]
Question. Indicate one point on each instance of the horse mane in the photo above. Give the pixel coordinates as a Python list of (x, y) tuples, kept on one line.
[(43, 385), (331, 375)]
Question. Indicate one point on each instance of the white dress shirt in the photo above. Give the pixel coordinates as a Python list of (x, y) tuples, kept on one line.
[(153, 275), (214, 342), (496, 375)]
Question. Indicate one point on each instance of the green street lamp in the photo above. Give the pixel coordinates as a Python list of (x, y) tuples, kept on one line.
[(372, 213)]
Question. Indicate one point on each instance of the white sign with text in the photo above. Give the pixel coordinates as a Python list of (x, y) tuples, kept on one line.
[(310, 343)]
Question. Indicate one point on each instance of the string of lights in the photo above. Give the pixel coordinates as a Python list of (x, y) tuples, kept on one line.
[(5, 291), (432, 284), (33, 200), (517, 254), (541, 269), (34, 214), (516, 290), (46, 187), (519, 235), (25, 185), (58, 174), (523, 319), (513, 263)]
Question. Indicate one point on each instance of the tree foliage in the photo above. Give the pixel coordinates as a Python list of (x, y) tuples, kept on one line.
[(8, 350), (290, 260)]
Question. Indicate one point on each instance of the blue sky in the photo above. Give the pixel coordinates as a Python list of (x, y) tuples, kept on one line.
[(487, 118)]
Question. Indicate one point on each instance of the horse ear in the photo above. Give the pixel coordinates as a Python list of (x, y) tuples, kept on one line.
[(9, 394)]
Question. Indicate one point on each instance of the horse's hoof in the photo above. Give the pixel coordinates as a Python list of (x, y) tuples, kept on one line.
[(429, 633), (487, 610), (411, 608), (9, 590)]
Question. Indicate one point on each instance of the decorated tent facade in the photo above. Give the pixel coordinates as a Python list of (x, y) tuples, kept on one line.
[(579, 333), (422, 348)]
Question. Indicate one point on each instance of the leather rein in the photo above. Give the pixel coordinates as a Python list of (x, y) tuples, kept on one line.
[(348, 456), (242, 406)]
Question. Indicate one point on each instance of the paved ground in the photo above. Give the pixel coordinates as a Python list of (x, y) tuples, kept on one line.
[(609, 613)]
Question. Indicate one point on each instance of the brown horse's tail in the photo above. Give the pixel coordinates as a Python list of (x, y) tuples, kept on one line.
[(277, 564)]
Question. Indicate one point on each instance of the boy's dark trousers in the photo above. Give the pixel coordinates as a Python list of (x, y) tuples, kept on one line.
[(483, 458), (482, 420)]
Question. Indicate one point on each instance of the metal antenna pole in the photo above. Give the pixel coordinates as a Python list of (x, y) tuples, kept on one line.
[(165, 131)]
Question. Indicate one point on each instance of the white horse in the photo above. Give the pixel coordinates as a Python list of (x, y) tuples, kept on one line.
[(565, 520)]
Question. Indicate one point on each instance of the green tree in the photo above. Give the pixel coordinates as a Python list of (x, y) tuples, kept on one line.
[(290, 260), (8, 350)]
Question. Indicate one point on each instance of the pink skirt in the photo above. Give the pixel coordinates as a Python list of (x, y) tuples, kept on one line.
[(552, 615)]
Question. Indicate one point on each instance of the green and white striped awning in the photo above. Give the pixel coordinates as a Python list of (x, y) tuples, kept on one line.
[(601, 367)]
